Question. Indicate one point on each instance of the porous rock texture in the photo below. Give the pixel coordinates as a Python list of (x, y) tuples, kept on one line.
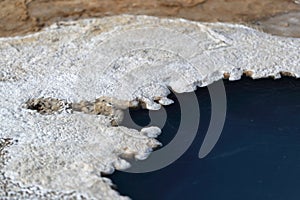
[(123, 60)]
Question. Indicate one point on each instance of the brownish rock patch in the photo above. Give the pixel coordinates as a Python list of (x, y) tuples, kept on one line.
[(25, 16)]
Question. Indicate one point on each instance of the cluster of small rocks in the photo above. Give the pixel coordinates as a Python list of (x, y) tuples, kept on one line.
[(4, 142), (101, 106), (47, 105)]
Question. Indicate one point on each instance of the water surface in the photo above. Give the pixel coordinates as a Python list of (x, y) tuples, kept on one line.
[(257, 156)]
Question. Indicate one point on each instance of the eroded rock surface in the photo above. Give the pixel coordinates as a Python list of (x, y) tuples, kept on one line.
[(123, 58), (24, 16), (286, 24)]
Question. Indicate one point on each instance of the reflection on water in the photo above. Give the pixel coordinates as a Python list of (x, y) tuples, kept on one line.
[(257, 156)]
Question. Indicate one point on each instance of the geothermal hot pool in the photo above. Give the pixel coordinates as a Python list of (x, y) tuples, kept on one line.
[(256, 157)]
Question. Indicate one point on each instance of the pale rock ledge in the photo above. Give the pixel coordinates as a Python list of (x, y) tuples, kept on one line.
[(127, 59)]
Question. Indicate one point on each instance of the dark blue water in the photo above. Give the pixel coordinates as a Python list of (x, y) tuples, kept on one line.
[(257, 156)]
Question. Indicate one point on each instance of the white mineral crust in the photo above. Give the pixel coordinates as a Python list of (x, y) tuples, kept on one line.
[(123, 57)]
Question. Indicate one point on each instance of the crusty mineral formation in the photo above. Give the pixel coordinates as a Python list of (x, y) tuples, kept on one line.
[(123, 60)]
